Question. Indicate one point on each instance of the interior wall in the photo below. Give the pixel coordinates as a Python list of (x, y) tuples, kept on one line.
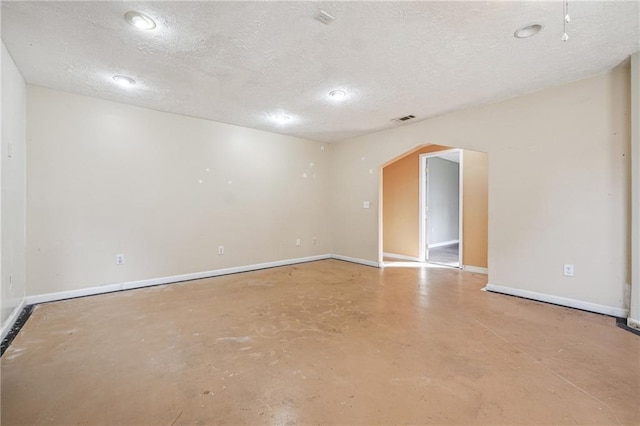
[(558, 186), (443, 201), (164, 190), (13, 93), (475, 202), (401, 205), (634, 312), (401, 209)]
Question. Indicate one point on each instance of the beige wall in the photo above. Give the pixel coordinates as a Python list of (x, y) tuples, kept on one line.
[(558, 186), (106, 178), (401, 205), (634, 311), (165, 190), (13, 186)]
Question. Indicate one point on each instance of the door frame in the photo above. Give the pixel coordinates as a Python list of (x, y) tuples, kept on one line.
[(423, 197)]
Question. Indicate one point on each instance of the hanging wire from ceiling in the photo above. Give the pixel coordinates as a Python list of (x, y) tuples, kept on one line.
[(565, 20)]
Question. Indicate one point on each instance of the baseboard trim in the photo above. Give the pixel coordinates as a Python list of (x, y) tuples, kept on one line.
[(476, 269), (109, 288), (557, 300), (355, 260), (11, 319), (444, 243), (632, 323), (402, 257)]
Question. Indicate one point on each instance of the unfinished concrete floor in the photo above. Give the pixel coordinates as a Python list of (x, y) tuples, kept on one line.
[(325, 342)]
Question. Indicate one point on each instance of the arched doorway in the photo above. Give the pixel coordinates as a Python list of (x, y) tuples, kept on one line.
[(405, 236)]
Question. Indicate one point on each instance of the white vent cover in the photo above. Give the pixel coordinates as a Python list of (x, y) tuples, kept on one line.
[(404, 119), (324, 17)]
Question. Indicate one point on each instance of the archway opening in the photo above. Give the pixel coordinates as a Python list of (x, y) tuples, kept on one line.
[(455, 219)]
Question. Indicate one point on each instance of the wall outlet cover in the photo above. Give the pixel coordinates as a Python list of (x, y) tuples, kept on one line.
[(569, 270)]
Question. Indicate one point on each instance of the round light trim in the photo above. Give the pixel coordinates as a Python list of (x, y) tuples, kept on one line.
[(124, 81), (140, 20), (338, 94), (528, 31), (281, 119)]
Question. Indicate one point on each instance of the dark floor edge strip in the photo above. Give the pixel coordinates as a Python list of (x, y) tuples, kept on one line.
[(622, 323), (27, 310), (354, 262), (182, 281), (15, 329)]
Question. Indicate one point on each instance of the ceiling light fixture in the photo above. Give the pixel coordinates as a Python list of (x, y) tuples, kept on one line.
[(528, 31), (140, 20), (338, 94), (124, 81), (281, 118)]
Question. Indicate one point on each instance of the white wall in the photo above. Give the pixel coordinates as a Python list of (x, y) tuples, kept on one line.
[(443, 200), (634, 311), (107, 178), (13, 186), (558, 186), (164, 190)]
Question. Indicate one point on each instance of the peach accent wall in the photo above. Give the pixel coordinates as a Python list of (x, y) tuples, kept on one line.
[(400, 205), (401, 209), (475, 202)]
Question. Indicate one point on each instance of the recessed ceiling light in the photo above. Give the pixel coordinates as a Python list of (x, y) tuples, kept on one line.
[(124, 81), (527, 31), (140, 20), (281, 118), (337, 94)]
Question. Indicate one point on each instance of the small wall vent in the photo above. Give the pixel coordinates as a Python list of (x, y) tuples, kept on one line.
[(324, 17), (404, 119)]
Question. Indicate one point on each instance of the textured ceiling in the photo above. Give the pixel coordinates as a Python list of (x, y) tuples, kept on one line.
[(245, 62)]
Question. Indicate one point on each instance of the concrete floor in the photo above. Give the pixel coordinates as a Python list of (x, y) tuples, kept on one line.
[(323, 342), (445, 255)]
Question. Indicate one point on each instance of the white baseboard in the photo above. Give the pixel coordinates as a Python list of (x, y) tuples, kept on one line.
[(356, 260), (444, 243), (562, 301), (632, 323), (11, 320), (90, 291), (476, 269), (402, 257)]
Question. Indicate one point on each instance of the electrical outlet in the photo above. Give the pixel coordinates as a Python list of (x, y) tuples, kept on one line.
[(315, 241), (298, 243), (119, 259), (568, 270), (366, 204), (220, 249)]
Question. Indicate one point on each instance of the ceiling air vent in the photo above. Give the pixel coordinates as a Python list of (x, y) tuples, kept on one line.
[(324, 17), (404, 119)]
